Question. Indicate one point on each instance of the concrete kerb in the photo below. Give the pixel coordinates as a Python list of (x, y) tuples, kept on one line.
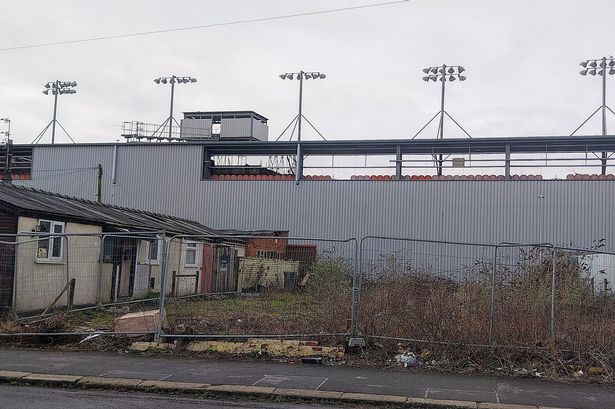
[(111, 383), (52, 379), (170, 386), (13, 375), (245, 391), (370, 398), (308, 394), (242, 389)]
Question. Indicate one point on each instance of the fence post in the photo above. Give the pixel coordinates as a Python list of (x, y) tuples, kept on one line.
[(66, 252), (492, 312), (163, 274), (71, 293), (553, 283), (15, 270), (355, 340), (100, 271)]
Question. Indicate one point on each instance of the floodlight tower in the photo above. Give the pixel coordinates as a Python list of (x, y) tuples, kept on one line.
[(8, 154), (443, 74), (301, 75), (8, 157), (602, 67), (56, 88), (8, 131), (173, 79)]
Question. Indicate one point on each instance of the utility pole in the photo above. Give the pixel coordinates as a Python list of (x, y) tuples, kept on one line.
[(99, 180)]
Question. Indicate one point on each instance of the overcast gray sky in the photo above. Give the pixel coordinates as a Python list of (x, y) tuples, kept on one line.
[(521, 58)]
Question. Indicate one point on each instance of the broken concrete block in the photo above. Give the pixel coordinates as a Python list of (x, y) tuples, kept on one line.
[(141, 346)]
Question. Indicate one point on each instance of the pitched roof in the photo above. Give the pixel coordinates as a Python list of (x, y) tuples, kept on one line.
[(39, 202)]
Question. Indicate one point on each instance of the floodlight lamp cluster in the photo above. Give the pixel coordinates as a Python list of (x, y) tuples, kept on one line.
[(304, 75), (600, 66), (444, 73), (174, 80), (60, 87)]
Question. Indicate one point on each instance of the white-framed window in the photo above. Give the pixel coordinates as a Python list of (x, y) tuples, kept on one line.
[(191, 253), (51, 248), (153, 249)]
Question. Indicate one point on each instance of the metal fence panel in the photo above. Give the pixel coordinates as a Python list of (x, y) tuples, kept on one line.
[(584, 307), (7, 266), (521, 294), (88, 280), (258, 286), (513, 295), (425, 290)]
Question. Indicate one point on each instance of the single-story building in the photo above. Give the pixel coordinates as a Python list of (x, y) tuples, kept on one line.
[(272, 262), (109, 253)]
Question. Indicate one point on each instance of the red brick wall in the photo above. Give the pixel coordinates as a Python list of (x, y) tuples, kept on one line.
[(306, 253), (276, 243)]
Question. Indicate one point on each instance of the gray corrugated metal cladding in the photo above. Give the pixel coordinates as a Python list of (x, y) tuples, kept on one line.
[(167, 179)]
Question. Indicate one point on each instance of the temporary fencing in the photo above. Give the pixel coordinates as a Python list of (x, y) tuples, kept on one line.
[(379, 288), (584, 302), (425, 290), (258, 286), (95, 277)]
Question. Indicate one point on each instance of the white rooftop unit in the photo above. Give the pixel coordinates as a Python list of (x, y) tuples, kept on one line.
[(224, 125)]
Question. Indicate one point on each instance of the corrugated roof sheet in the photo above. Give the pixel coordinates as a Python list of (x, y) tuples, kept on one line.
[(30, 200)]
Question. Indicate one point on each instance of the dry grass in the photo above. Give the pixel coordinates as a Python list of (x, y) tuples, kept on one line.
[(452, 319), (323, 307)]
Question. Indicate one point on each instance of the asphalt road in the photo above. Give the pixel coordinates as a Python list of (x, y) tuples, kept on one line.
[(412, 383), (27, 397)]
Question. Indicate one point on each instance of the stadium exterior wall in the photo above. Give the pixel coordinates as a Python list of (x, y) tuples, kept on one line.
[(167, 179)]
